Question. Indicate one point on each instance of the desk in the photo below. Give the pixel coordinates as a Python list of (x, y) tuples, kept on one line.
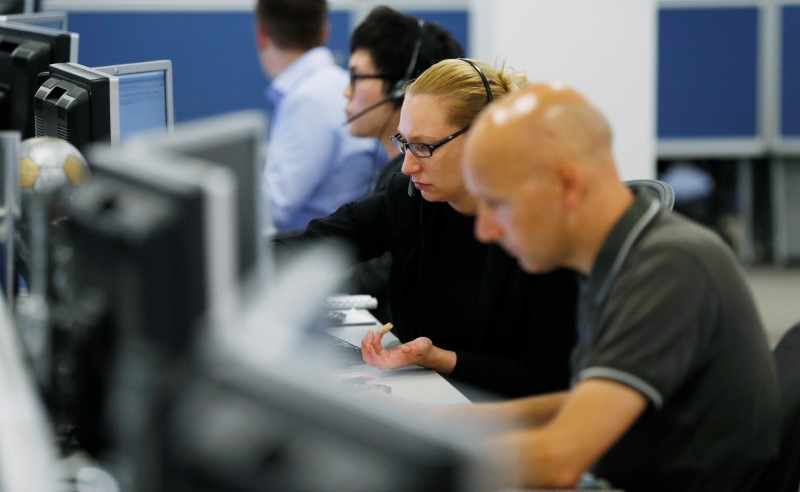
[(414, 383)]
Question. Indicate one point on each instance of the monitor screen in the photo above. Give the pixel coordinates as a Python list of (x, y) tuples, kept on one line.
[(145, 96), (51, 20), (25, 51), (234, 141)]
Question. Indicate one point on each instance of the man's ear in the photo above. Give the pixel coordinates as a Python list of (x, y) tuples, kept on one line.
[(326, 34), (573, 183), (262, 40)]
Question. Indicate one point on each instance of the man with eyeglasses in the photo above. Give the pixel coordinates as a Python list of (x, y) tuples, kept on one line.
[(314, 164), (387, 49)]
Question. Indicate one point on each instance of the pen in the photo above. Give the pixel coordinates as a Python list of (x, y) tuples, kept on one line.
[(385, 328)]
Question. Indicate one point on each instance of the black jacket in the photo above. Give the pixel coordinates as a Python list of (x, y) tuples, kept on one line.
[(523, 325)]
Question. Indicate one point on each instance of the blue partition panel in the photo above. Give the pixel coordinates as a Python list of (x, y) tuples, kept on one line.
[(339, 41), (215, 62), (708, 72), (790, 72)]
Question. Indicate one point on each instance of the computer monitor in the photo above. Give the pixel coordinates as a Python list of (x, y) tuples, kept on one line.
[(106, 104), (16, 6), (250, 411), (145, 96), (51, 20), (153, 246), (228, 426), (25, 51), (234, 141)]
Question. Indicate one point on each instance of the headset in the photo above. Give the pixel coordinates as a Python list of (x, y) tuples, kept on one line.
[(396, 94), (412, 192), (489, 95)]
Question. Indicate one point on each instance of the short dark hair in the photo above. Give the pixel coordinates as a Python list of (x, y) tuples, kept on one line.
[(293, 24), (390, 36)]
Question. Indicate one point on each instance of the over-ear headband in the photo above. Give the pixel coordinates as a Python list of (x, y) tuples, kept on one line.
[(489, 95), (397, 91)]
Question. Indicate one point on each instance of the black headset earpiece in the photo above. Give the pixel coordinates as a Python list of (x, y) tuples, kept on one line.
[(397, 90)]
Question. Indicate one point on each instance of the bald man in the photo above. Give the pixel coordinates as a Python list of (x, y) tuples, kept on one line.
[(674, 387)]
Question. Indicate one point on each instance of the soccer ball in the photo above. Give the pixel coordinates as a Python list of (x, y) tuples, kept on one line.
[(50, 166)]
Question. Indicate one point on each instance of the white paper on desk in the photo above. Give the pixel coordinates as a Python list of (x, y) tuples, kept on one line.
[(411, 383)]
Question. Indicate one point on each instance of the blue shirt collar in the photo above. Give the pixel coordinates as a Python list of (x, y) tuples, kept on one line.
[(295, 73)]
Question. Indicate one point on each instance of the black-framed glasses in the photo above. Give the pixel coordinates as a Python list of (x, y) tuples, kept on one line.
[(422, 150), (355, 77)]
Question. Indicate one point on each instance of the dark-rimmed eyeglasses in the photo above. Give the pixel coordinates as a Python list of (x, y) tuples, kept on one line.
[(422, 150), (355, 77)]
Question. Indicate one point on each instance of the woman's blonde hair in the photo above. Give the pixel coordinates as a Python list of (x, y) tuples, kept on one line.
[(461, 85)]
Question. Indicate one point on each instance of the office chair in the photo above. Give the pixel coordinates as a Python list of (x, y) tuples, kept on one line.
[(660, 190), (783, 474)]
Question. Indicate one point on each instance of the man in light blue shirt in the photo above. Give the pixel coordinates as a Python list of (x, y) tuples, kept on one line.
[(314, 165)]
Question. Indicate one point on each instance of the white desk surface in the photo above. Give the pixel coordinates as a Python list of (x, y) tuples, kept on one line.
[(413, 383)]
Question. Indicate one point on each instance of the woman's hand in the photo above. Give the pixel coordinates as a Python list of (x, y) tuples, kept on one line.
[(420, 351)]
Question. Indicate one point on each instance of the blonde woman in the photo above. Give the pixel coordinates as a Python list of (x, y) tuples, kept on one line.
[(460, 307)]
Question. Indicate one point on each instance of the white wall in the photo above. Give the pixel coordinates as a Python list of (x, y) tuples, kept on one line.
[(604, 48)]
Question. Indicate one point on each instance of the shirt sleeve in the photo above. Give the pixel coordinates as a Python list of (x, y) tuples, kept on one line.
[(302, 146), (547, 335), (363, 226), (655, 327)]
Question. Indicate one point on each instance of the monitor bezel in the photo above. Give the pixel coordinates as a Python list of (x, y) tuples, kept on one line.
[(42, 34), (10, 153), (211, 132), (63, 46), (147, 66), (218, 185), (38, 18)]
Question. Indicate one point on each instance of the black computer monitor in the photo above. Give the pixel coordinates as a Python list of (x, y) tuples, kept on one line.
[(226, 425), (250, 411), (105, 104), (234, 141), (25, 51), (153, 250), (114, 216), (15, 6), (52, 20)]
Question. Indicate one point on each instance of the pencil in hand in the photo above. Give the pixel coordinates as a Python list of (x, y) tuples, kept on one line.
[(385, 328)]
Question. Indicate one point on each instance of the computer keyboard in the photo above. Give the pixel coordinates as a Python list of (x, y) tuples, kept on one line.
[(347, 302), (342, 353)]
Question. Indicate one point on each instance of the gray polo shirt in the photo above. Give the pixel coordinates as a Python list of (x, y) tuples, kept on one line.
[(666, 311)]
